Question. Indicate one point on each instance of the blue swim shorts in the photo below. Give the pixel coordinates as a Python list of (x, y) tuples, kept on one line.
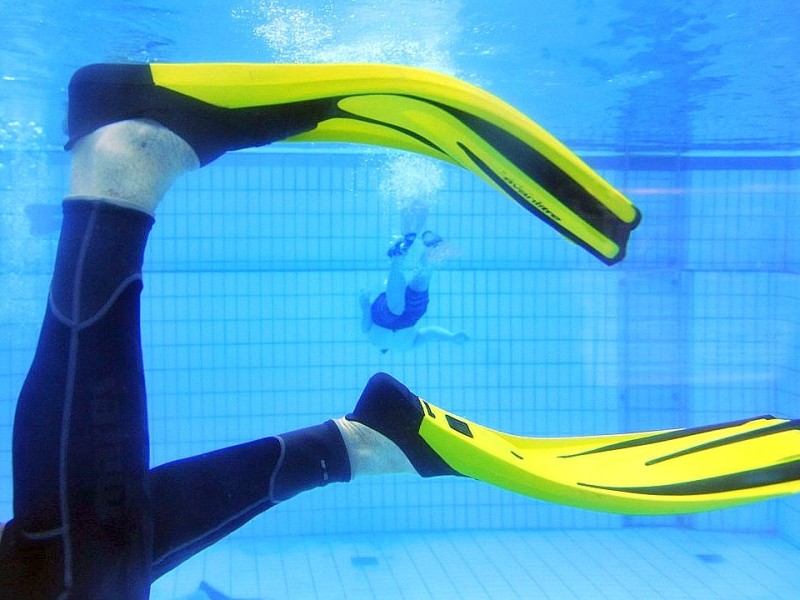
[(416, 305)]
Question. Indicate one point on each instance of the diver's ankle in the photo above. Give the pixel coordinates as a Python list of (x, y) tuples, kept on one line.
[(370, 452), (131, 163)]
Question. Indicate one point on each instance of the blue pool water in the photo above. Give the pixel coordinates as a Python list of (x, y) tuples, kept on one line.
[(256, 263)]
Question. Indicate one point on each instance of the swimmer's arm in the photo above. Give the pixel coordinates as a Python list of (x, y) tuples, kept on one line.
[(366, 314), (438, 334)]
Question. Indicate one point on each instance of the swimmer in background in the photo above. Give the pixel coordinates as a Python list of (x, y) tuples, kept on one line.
[(390, 321)]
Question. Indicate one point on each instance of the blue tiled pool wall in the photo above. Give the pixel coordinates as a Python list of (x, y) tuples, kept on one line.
[(251, 319)]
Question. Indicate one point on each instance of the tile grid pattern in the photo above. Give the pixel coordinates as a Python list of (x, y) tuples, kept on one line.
[(665, 564)]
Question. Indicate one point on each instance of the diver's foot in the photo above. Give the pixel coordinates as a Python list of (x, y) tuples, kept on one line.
[(401, 246), (437, 250), (431, 239), (102, 94), (391, 409), (460, 338)]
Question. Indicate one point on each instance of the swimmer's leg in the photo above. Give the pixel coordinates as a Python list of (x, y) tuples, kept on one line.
[(396, 286), (412, 221), (421, 278), (80, 440), (413, 216), (199, 500), (81, 526)]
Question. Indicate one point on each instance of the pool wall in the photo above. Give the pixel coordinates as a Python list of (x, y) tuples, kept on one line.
[(251, 318)]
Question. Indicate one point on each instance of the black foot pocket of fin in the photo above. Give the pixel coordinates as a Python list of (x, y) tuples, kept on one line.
[(101, 94), (391, 409)]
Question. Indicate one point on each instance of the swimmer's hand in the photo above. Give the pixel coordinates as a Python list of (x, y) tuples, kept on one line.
[(363, 300), (460, 338), (366, 312)]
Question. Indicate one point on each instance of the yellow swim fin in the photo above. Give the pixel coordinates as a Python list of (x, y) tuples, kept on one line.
[(218, 107), (651, 473)]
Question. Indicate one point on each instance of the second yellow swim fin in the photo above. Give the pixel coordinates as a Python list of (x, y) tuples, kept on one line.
[(647, 473)]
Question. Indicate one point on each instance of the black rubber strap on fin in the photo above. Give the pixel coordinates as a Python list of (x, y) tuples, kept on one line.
[(390, 408)]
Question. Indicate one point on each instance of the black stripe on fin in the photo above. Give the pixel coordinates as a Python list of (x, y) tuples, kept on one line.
[(538, 209), (690, 431), (551, 177), (755, 478)]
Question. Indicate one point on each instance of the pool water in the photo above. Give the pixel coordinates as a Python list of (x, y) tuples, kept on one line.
[(256, 263)]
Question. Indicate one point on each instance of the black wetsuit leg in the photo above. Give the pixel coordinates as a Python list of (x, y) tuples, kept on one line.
[(81, 526), (199, 500), (90, 520)]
